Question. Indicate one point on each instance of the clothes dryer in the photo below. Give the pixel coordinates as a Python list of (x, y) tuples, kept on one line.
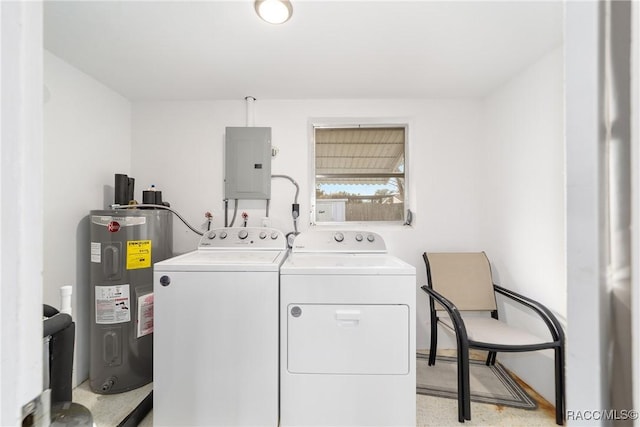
[(347, 333), (216, 331)]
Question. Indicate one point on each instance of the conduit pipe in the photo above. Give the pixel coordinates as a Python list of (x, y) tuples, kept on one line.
[(250, 114), (295, 199), (295, 213)]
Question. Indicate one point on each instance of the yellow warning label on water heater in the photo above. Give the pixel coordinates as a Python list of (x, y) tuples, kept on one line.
[(138, 254)]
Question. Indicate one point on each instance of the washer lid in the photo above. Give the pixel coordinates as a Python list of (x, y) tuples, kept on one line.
[(345, 263), (207, 260)]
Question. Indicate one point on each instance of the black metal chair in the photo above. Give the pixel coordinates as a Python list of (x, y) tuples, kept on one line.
[(462, 282)]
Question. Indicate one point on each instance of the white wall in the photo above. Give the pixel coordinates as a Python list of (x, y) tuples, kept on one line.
[(178, 146), (21, 212), (523, 210), (476, 178), (87, 139)]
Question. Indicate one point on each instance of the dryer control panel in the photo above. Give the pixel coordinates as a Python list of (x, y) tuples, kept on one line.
[(245, 238), (339, 241)]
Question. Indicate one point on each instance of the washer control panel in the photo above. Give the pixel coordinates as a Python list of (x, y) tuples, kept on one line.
[(351, 241), (243, 238)]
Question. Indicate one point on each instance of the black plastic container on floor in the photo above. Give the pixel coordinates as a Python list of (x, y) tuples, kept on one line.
[(59, 330)]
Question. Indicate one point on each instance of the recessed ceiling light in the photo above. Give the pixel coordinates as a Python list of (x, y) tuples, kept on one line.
[(274, 11)]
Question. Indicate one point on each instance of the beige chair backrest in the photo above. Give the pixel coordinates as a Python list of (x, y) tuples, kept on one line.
[(464, 279)]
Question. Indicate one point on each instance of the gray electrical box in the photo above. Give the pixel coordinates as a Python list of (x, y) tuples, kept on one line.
[(247, 163)]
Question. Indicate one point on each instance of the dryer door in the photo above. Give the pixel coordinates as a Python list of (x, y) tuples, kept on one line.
[(348, 339)]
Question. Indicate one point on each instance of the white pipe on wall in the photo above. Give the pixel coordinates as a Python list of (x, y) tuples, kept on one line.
[(250, 113), (65, 299)]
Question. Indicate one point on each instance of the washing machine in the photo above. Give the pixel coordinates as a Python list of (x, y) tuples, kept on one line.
[(347, 333), (216, 331)]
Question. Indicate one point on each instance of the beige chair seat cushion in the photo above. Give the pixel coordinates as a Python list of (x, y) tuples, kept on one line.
[(489, 330)]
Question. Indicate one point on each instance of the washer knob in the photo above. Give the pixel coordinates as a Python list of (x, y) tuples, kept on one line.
[(274, 235), (339, 237), (211, 235), (223, 234), (371, 237), (358, 237), (262, 235), (243, 234)]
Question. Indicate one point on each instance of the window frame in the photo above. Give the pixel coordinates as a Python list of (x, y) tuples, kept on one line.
[(350, 124)]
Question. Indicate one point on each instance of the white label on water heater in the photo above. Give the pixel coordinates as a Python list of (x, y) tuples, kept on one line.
[(96, 252), (113, 304), (145, 315)]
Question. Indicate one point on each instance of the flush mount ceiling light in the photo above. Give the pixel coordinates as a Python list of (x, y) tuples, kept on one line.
[(274, 11)]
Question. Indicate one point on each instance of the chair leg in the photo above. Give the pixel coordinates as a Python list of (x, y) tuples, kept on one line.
[(461, 387), (489, 358), (493, 358), (464, 392), (559, 374), (434, 342)]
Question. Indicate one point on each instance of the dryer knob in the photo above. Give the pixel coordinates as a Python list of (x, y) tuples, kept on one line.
[(359, 237), (243, 234), (371, 238), (339, 237), (263, 235), (165, 280), (274, 235), (211, 235), (223, 235)]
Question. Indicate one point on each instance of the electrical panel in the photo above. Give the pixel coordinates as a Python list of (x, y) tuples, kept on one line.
[(247, 163)]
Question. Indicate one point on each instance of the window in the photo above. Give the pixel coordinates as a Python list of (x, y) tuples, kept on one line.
[(359, 173)]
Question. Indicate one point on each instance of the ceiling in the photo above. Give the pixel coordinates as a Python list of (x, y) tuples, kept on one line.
[(157, 50)]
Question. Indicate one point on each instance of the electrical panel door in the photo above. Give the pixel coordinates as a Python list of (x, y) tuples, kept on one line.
[(247, 163)]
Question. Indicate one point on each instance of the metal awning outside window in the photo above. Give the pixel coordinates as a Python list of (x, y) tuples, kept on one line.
[(359, 155)]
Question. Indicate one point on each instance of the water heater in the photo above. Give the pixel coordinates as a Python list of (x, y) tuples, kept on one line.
[(124, 246)]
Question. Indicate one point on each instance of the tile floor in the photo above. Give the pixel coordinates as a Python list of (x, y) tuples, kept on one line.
[(110, 410)]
